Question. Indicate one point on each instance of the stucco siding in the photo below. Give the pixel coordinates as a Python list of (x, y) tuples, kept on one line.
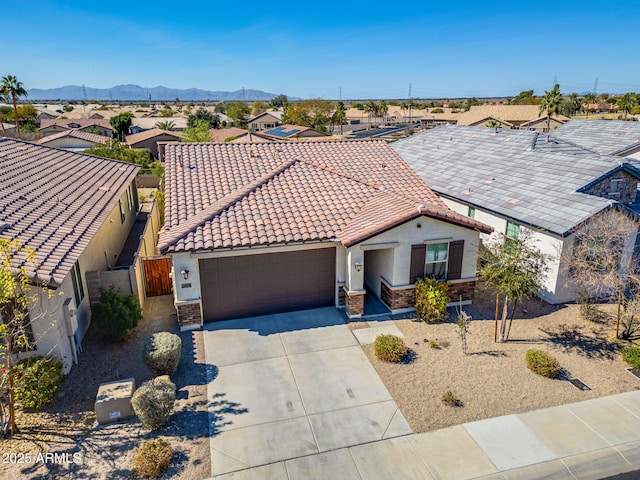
[(425, 230)]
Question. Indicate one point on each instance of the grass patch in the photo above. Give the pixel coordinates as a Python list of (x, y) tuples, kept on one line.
[(631, 355)]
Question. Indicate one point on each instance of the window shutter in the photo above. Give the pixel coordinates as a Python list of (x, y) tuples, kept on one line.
[(418, 254), (456, 250)]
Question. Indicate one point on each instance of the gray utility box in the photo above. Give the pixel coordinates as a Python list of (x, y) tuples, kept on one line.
[(113, 401)]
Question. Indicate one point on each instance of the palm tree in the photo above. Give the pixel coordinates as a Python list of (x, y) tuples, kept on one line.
[(339, 117), (381, 109), (11, 87), (167, 125), (588, 99), (2, 100), (370, 108), (550, 104), (626, 102)]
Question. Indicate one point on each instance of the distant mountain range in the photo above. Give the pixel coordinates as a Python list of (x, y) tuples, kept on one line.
[(136, 92)]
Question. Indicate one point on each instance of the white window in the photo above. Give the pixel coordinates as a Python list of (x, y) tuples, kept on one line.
[(436, 260)]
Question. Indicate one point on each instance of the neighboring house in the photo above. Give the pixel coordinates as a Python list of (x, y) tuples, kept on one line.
[(606, 137), (516, 180), (288, 132), (57, 125), (220, 135), (153, 140), (73, 140), (265, 120), (140, 124), (254, 229), (8, 130), (518, 117), (75, 212)]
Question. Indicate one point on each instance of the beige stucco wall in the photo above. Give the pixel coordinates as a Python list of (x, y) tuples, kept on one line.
[(48, 321), (151, 144), (394, 266)]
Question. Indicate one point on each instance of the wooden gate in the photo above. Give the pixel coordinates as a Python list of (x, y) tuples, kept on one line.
[(157, 277)]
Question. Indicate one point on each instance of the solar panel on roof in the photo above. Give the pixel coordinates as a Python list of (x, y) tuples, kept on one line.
[(279, 132)]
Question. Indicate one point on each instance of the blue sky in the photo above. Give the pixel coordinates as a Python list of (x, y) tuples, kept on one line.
[(367, 49)]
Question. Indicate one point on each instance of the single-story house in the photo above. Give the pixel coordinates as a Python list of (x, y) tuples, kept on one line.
[(74, 140), (265, 120), (8, 130), (518, 117), (140, 124), (220, 135), (254, 229), (153, 140), (287, 132), (606, 137), (514, 180), (57, 125), (74, 211)]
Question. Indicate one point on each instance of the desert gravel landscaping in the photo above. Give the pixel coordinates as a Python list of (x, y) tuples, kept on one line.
[(106, 452), (493, 379)]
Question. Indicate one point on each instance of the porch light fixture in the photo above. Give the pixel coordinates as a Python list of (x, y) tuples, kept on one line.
[(184, 273), (357, 266)]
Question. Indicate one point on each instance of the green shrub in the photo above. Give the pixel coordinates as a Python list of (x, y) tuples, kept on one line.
[(431, 300), (449, 398), (434, 344), (153, 402), (542, 363), (152, 458), (390, 348), (116, 314), (37, 382), (161, 352), (631, 355)]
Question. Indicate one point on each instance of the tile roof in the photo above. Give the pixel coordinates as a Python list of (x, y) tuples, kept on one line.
[(147, 134), (74, 133), (514, 173), (54, 202), (83, 122), (289, 131), (507, 114), (274, 113), (612, 137), (218, 135), (241, 195), (146, 123)]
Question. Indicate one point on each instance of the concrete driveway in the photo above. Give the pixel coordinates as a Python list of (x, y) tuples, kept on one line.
[(289, 385)]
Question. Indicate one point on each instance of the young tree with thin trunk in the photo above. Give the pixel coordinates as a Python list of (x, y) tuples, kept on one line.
[(18, 301), (516, 269), (602, 258)]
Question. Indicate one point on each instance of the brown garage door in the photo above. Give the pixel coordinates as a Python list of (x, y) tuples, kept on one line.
[(249, 285)]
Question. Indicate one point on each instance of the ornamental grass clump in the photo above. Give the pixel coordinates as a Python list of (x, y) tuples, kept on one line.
[(153, 402), (152, 458), (432, 298), (390, 348), (542, 363), (161, 353)]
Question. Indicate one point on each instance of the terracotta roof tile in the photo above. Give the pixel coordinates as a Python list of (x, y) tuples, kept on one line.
[(239, 195), (74, 133), (54, 201), (147, 134)]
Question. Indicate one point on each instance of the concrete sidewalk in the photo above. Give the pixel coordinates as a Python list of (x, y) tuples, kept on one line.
[(594, 439)]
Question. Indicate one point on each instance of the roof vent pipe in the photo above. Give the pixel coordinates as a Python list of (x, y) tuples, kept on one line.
[(420, 207)]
